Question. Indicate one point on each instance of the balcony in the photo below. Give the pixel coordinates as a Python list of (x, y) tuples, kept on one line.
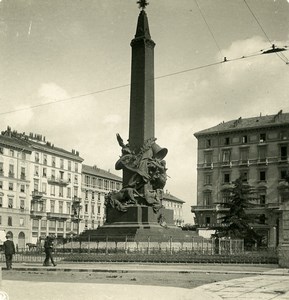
[(37, 214), (55, 215), (36, 195), (57, 181)]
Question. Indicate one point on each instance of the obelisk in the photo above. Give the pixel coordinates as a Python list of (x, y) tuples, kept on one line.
[(142, 119)]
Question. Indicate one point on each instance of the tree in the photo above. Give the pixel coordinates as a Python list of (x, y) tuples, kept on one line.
[(236, 223)]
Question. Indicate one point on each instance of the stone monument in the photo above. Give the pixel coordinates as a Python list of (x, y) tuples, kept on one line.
[(136, 210)]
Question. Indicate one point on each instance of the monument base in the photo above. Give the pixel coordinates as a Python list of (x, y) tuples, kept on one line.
[(283, 255), (138, 223)]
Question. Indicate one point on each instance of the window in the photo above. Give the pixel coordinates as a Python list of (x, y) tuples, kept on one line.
[(22, 204), (225, 196), (86, 194), (1, 184), (262, 137), (44, 188), (9, 223), (86, 208), (226, 157), (1, 168), (105, 184), (262, 175), (208, 159), (53, 174), (61, 173), (69, 165), (68, 208), (98, 209), (208, 178), (68, 192), (227, 178), (227, 141), (36, 184), (36, 157), (283, 174), (1, 150), (10, 186), (11, 152), (98, 197), (69, 177), (92, 209), (100, 182), (44, 224), (21, 222), (44, 159), (61, 163), (76, 167), (44, 172), (244, 155), (244, 176), (60, 225), (75, 191), (75, 179), (11, 170), (22, 174), (208, 220), (22, 188), (52, 190), (244, 139), (92, 195), (262, 154), (207, 198), (262, 199), (1, 202), (208, 143), (60, 207), (10, 202), (36, 171), (53, 163), (86, 180), (52, 206), (283, 152), (61, 191)]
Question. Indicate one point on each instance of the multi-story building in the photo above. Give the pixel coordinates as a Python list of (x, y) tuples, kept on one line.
[(96, 183), (171, 202), (40, 188), (15, 187), (254, 148)]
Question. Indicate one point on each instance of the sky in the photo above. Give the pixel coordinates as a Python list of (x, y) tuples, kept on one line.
[(65, 73)]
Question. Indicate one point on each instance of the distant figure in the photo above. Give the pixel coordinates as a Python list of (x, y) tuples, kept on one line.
[(48, 248), (9, 250)]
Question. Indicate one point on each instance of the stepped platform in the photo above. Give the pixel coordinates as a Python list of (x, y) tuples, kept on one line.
[(138, 223)]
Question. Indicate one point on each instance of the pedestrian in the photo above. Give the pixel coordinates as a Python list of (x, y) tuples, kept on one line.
[(9, 250), (48, 248)]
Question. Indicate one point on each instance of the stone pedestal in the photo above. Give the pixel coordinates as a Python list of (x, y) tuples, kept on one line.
[(283, 251), (137, 224)]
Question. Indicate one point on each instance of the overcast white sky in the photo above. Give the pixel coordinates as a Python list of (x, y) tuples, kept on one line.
[(57, 49)]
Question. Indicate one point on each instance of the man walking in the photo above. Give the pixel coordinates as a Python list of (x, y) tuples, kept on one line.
[(9, 250), (48, 248)]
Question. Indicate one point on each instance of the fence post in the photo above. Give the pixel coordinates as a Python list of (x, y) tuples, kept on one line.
[(193, 244), (148, 244), (125, 245), (220, 246), (231, 250), (88, 250), (106, 245), (171, 240)]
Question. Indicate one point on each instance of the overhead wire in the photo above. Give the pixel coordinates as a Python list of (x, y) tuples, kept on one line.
[(54, 101), (207, 24), (283, 58)]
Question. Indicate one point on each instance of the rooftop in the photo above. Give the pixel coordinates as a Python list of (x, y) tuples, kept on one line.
[(276, 120), (94, 170), (169, 196)]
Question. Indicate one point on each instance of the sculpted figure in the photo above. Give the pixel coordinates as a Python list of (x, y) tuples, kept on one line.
[(148, 176)]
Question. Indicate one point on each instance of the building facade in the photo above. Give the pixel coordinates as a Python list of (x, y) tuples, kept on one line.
[(171, 202), (96, 183), (39, 186), (256, 149)]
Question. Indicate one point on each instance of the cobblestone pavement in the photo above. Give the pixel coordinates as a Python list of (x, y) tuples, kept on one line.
[(273, 284), (265, 283)]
